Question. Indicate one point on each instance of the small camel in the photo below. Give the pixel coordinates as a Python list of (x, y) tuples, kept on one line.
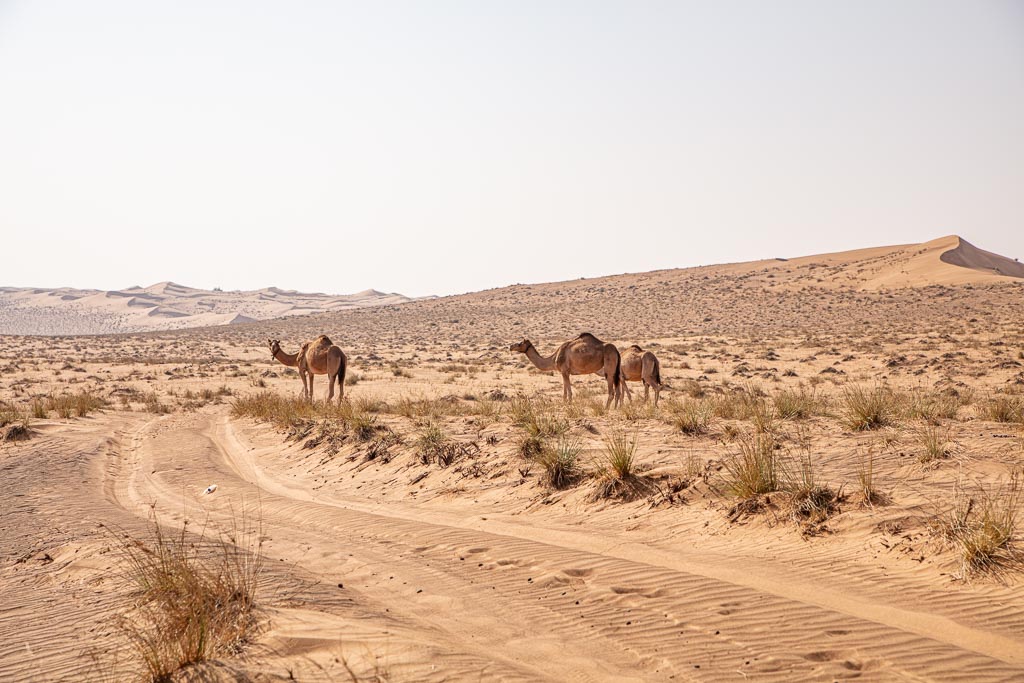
[(318, 357), (584, 355), (640, 366)]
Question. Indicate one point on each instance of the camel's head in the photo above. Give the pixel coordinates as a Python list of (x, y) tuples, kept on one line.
[(521, 347), (274, 346)]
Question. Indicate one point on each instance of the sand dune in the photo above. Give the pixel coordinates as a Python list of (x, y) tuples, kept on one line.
[(163, 306)]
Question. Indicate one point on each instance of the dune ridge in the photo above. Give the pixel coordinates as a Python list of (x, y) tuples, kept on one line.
[(162, 306)]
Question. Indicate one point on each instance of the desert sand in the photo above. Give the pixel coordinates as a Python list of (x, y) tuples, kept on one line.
[(163, 306), (385, 559)]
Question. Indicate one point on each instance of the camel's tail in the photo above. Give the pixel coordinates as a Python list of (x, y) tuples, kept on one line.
[(657, 372)]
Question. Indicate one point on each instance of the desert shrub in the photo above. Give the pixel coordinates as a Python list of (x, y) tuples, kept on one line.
[(864, 409), (152, 404), (866, 486), (620, 454), (812, 502), (981, 525), (1004, 408), (74, 405), (690, 416), (283, 412), (757, 467), (352, 379), (194, 597), (561, 463), (430, 441), (930, 405), (934, 442), (798, 404), (38, 409)]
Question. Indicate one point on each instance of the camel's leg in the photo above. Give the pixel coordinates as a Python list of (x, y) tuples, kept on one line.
[(566, 387), (625, 388), (647, 392), (614, 392), (341, 384), (311, 375), (657, 394), (330, 387)]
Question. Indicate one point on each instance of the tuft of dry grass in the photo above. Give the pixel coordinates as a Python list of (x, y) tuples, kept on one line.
[(869, 493), (863, 409), (195, 596), (981, 525), (74, 405), (812, 502), (617, 472), (756, 469), (935, 443), (561, 463), (799, 404), (690, 416), (1004, 408)]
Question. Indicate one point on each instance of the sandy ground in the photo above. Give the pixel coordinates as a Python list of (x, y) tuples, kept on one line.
[(163, 306), (480, 571)]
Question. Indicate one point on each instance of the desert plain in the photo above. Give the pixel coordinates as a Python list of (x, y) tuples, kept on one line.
[(829, 488)]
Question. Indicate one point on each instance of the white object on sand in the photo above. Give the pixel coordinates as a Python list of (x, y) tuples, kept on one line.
[(210, 489)]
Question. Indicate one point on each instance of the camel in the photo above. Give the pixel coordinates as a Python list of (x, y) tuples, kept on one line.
[(584, 355), (640, 366), (318, 357)]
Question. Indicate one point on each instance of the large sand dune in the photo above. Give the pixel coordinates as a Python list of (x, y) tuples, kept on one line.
[(163, 306)]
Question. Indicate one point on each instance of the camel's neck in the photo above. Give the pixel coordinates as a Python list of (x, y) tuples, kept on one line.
[(540, 361), (289, 359)]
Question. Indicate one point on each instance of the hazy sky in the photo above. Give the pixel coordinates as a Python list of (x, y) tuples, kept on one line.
[(442, 147)]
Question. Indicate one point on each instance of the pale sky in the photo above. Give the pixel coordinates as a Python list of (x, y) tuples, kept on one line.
[(444, 147)]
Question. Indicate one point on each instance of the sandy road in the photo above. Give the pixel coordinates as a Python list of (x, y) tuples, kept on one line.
[(485, 597)]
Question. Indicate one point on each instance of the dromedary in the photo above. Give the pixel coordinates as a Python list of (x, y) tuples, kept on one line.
[(318, 357), (640, 366), (584, 355)]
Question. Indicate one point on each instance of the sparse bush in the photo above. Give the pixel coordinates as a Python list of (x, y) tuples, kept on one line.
[(934, 442), (352, 379), (195, 597), (1004, 408), (981, 525), (864, 409), (691, 416), (620, 454), (77, 405), (812, 502), (866, 482), (931, 405), (798, 404), (561, 463), (756, 469), (432, 438)]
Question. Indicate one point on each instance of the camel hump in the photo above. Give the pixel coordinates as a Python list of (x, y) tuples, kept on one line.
[(323, 340), (587, 335), (636, 347)]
